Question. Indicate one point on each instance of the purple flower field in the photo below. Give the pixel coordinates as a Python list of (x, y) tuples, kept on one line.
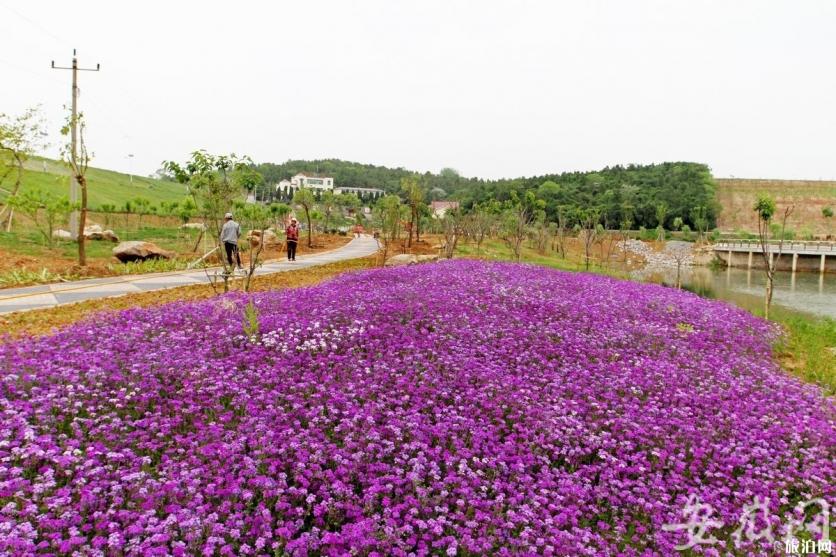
[(461, 408)]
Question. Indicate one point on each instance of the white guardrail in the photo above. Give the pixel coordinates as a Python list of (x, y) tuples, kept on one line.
[(789, 246)]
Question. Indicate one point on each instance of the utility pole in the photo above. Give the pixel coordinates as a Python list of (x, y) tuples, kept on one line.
[(74, 187), (131, 167)]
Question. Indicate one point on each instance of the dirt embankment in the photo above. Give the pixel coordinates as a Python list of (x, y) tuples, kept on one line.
[(737, 197)]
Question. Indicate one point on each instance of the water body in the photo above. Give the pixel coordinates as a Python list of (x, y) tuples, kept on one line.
[(812, 293)]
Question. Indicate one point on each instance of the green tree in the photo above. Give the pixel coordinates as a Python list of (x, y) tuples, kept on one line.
[(254, 217), (247, 178), (210, 181), (827, 212), (45, 209), (279, 212), (328, 205), (20, 137), (78, 161), (677, 223), (699, 217), (661, 213), (414, 195), (518, 214), (141, 206), (304, 198), (387, 217), (765, 210)]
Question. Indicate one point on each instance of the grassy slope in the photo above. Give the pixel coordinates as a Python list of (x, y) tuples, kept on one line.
[(105, 186)]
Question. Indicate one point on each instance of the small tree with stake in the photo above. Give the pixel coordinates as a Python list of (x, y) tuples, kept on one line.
[(254, 217), (304, 198), (212, 183), (765, 209), (45, 209), (387, 216), (78, 163), (20, 138)]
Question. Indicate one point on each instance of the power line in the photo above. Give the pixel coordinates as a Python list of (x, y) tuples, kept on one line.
[(36, 25)]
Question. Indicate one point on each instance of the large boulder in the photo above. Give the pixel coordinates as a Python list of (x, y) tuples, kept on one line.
[(93, 232), (401, 259), (110, 236), (62, 234), (194, 226), (140, 251), (409, 259), (270, 238)]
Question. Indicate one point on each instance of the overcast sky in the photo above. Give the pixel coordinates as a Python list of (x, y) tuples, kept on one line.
[(493, 89)]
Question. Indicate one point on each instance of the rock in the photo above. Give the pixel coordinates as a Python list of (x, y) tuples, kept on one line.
[(139, 251), (401, 259), (93, 232), (110, 236), (194, 226), (409, 259), (270, 238), (62, 234)]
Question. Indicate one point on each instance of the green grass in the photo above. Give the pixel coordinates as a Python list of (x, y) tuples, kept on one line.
[(31, 243), (498, 250), (104, 186)]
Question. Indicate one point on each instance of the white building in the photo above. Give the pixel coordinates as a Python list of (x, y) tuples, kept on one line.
[(360, 192), (303, 180)]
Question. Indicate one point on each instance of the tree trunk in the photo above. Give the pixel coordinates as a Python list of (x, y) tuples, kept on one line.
[(7, 222), (82, 220), (417, 227), (310, 229)]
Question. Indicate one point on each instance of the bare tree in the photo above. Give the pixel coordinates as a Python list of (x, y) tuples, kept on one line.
[(589, 232), (559, 244), (414, 194), (680, 253), (481, 222), (453, 225), (516, 218)]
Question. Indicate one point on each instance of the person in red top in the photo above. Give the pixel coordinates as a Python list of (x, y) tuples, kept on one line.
[(292, 234)]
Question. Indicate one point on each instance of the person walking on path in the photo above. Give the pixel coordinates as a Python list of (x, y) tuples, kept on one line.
[(230, 233), (292, 234)]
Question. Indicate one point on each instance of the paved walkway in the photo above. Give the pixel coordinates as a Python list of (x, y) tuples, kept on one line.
[(51, 295)]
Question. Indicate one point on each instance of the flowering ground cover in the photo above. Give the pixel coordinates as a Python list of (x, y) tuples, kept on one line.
[(460, 408)]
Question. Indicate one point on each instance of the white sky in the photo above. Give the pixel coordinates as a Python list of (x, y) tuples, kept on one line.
[(493, 89)]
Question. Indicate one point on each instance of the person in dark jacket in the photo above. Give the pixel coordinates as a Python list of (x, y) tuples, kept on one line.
[(292, 233)]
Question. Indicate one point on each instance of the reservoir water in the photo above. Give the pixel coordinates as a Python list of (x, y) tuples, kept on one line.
[(812, 293)]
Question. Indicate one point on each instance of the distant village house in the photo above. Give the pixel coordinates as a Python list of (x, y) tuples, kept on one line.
[(316, 182)]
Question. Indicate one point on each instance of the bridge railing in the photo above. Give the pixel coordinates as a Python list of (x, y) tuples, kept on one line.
[(789, 246)]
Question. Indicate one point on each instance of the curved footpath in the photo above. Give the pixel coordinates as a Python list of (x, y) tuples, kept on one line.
[(51, 295)]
